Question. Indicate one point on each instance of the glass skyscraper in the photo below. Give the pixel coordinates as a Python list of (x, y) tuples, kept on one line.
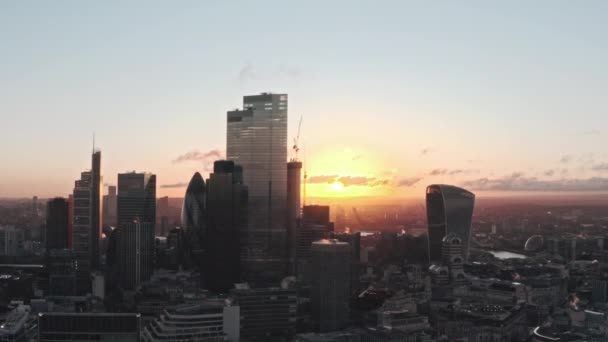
[(257, 140), (136, 218), (449, 210)]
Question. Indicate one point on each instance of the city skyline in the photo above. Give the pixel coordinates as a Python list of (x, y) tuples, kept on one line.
[(384, 115)]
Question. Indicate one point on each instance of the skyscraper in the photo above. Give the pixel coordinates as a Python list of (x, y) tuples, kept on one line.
[(194, 223), (449, 210), (57, 224), (313, 226), (96, 208), (81, 232), (330, 285), (257, 140), (294, 182), (226, 218), (136, 209), (109, 207)]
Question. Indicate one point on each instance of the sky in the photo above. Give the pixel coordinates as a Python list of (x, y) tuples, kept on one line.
[(394, 95)]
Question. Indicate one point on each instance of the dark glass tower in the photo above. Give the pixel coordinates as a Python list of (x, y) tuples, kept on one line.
[(226, 219), (57, 224), (257, 140), (449, 210), (96, 208), (81, 231), (136, 211), (193, 222)]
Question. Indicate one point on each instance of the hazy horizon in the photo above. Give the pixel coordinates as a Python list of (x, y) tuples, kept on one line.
[(506, 98)]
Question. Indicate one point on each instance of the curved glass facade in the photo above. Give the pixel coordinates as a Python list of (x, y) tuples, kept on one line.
[(193, 209), (193, 221), (449, 210)]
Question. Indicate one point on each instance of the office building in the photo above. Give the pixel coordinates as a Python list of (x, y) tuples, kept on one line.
[(109, 207), (162, 216), (66, 326), (266, 313), (294, 184), (57, 211), (330, 284), (257, 140), (226, 219), (194, 222), (81, 231), (136, 211), (354, 241), (70, 220), (61, 265), (11, 241), (211, 320), (96, 209), (453, 259), (313, 226), (449, 210)]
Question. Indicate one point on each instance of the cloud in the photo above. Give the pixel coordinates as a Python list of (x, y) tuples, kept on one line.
[(407, 182), (196, 155), (357, 181), (175, 185), (603, 167), (247, 73), (348, 180), (518, 182), (566, 159), (357, 157), (592, 132), (443, 172), (438, 172), (549, 173)]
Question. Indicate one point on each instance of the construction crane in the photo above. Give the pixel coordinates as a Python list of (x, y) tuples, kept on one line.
[(296, 141)]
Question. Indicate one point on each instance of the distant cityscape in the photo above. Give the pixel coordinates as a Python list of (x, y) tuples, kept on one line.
[(243, 257)]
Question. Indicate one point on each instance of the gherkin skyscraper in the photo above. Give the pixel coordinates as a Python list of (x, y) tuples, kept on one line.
[(193, 222)]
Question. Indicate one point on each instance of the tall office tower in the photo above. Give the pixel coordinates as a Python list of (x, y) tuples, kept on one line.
[(61, 266), (194, 222), (162, 213), (89, 326), (81, 232), (70, 219), (96, 208), (294, 184), (57, 213), (136, 211), (449, 210), (267, 314), (35, 206), (109, 207), (354, 240), (257, 140), (226, 218), (330, 285), (314, 226)]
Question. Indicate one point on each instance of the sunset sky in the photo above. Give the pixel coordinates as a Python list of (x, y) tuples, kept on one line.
[(395, 95)]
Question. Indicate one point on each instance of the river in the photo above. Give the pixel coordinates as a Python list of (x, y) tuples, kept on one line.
[(507, 255)]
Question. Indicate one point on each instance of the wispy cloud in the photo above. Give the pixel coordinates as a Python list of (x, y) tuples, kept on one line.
[(175, 185), (565, 159), (357, 157), (407, 182), (247, 73), (549, 173), (603, 167), (451, 172), (348, 180), (320, 179), (196, 155), (519, 182), (592, 132), (438, 172)]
